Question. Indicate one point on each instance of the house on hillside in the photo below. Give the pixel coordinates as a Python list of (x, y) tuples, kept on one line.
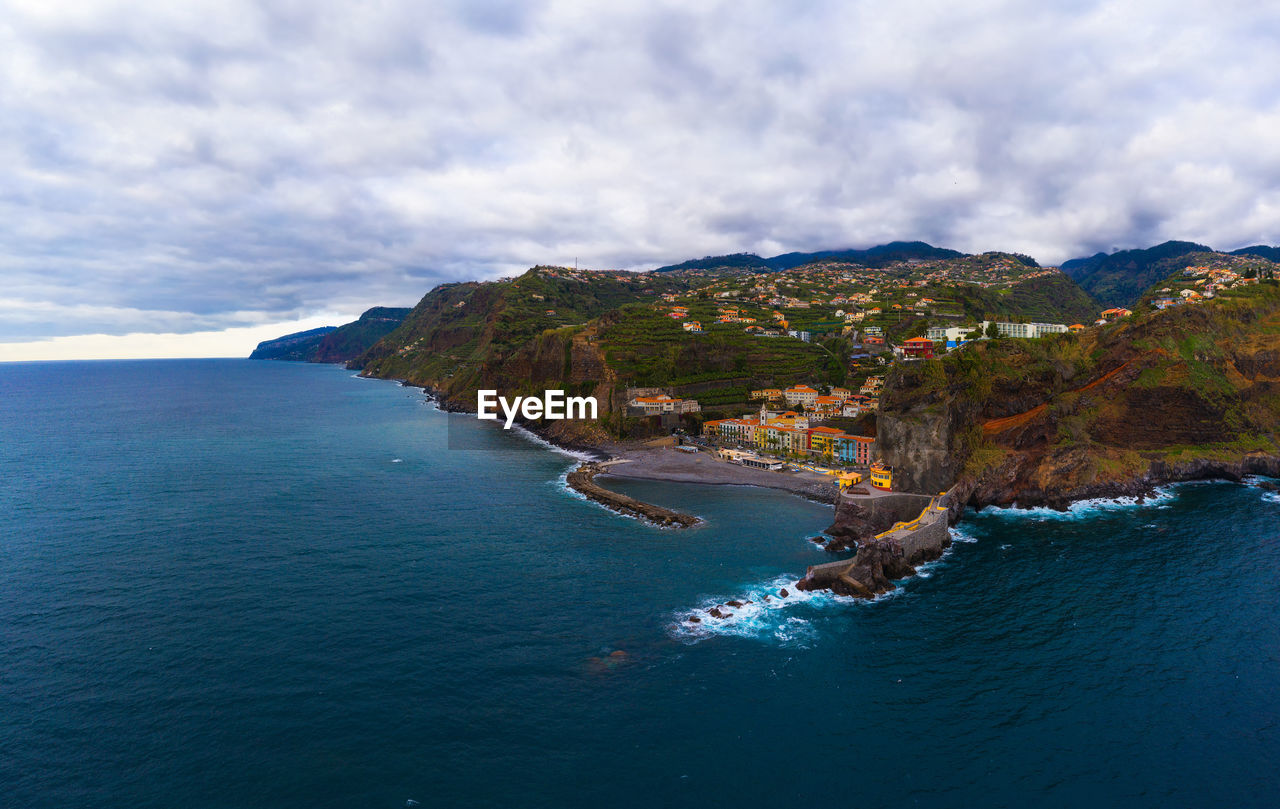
[(917, 348), (800, 394)]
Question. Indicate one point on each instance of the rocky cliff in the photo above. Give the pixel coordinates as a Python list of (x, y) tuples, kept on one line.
[(1187, 393)]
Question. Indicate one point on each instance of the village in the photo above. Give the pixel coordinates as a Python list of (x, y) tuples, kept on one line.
[(794, 438), (906, 314)]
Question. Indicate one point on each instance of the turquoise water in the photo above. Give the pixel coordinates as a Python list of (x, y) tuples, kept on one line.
[(229, 584)]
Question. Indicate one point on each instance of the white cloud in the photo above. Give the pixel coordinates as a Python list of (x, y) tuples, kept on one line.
[(225, 343), (179, 165)]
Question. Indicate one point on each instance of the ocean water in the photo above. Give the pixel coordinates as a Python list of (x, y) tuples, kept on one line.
[(236, 584)]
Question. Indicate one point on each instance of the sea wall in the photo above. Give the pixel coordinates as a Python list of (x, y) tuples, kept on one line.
[(861, 518), (890, 554)]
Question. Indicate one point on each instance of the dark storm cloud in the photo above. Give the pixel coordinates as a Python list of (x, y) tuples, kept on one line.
[(187, 167)]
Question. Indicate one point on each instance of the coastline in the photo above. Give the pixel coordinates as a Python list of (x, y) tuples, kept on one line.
[(637, 460)]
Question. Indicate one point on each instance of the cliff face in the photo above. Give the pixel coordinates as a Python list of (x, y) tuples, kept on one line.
[(347, 342), (1187, 393), (296, 347)]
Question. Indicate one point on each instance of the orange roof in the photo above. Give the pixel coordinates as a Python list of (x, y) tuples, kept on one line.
[(919, 340), (801, 388), (662, 398), (827, 430)]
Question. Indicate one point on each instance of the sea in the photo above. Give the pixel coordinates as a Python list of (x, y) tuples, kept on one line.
[(227, 583)]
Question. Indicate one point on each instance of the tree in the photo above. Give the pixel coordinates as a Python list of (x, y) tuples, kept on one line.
[(992, 330)]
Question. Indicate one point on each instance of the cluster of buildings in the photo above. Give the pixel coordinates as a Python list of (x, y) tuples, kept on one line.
[(655, 402), (788, 433), (839, 402), (1202, 283)]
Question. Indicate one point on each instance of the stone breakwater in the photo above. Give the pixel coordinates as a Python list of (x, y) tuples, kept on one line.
[(582, 481), (890, 554)]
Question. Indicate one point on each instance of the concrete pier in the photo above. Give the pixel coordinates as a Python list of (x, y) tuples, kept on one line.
[(582, 480)]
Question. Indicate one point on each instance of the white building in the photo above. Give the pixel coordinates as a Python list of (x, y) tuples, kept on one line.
[(953, 336), (1031, 330)]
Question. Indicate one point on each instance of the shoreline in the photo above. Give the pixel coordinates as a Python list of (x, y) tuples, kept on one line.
[(672, 466), (1139, 487)]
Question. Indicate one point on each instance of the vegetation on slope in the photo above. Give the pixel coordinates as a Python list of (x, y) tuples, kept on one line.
[(345, 343), (1062, 417)]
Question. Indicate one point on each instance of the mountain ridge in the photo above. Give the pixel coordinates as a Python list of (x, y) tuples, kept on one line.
[(877, 256)]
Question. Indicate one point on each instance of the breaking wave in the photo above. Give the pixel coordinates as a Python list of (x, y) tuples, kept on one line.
[(1083, 509), (763, 615), (534, 438)]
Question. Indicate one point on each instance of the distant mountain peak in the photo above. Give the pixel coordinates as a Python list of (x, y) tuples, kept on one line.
[(878, 256)]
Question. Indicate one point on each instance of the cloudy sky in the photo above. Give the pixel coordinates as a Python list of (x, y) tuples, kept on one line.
[(187, 178)]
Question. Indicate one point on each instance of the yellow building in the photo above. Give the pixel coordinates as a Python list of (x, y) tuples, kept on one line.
[(881, 476), (767, 437), (846, 479), (822, 440)]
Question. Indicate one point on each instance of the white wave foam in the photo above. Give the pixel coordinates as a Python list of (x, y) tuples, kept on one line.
[(959, 534), (1256, 481), (1085, 508), (757, 618), (396, 460), (534, 438), (763, 620)]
